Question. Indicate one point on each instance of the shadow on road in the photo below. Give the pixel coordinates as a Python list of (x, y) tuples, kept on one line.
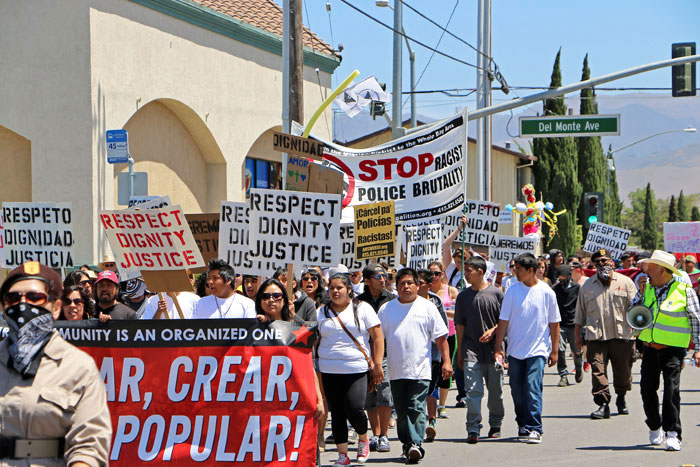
[(638, 447)]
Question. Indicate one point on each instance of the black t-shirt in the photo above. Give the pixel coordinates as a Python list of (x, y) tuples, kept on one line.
[(566, 300), (376, 303), (117, 311), (478, 311)]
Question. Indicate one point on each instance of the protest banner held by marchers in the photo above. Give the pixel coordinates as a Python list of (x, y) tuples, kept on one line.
[(40, 232), (508, 248), (375, 226), (608, 237), (423, 245), (205, 392), (682, 237), (294, 227)]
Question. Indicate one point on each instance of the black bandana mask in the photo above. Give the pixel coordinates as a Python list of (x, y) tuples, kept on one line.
[(604, 272), (30, 329)]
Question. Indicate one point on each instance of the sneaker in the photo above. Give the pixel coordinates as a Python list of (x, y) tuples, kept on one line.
[(362, 451), (472, 438), (673, 443), (586, 366), (602, 412), (442, 412), (523, 434), (430, 431), (383, 444), (563, 381), (413, 455), (342, 460), (461, 402), (621, 405), (495, 432), (656, 437), (352, 436), (535, 437), (373, 442)]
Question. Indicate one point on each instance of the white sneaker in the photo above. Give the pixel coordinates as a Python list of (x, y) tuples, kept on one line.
[(672, 441), (656, 437)]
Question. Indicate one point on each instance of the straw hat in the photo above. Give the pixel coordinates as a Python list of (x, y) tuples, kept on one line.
[(106, 259), (663, 259)]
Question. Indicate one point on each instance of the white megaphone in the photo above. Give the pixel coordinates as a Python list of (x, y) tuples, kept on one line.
[(640, 317)]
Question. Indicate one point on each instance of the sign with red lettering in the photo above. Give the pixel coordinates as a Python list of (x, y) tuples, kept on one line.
[(424, 173), (188, 392), (151, 240)]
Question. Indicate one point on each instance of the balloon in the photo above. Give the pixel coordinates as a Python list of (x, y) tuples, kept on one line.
[(539, 205), (520, 207), (549, 205), (509, 207)]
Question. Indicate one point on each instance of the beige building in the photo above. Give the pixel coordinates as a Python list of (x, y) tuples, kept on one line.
[(194, 82)]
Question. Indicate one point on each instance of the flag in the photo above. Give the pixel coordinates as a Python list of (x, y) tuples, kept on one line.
[(355, 98)]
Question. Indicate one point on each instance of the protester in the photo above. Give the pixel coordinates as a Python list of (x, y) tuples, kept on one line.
[(201, 285), (52, 398), (556, 258), (358, 285), (108, 264), (345, 327), (640, 281), (510, 278), (75, 304), (452, 261), (601, 310), (107, 291), (136, 296), (302, 306), (79, 278), (477, 313), (577, 274), (166, 309), (542, 271), (312, 285), (410, 323), (676, 320), (530, 320), (567, 292), (250, 286), (223, 302), (626, 260), (689, 265), (390, 280)]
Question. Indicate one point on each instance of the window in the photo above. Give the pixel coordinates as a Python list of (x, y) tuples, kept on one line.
[(262, 174)]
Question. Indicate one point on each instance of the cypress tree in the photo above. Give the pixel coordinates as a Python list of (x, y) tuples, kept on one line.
[(695, 214), (672, 212), (682, 208), (613, 204), (556, 174), (649, 235)]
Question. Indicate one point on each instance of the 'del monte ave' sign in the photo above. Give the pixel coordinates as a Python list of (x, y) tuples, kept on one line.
[(579, 125)]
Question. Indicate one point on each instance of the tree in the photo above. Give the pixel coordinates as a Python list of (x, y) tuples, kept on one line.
[(556, 174), (672, 212), (613, 205), (591, 160), (649, 235), (682, 208), (695, 214)]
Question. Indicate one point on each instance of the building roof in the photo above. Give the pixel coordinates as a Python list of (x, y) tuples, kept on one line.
[(266, 15)]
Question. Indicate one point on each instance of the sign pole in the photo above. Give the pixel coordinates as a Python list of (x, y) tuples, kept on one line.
[(157, 316)]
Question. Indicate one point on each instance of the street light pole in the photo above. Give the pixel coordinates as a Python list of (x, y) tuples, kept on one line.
[(396, 85)]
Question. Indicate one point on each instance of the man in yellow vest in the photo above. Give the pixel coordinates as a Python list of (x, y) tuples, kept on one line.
[(676, 319)]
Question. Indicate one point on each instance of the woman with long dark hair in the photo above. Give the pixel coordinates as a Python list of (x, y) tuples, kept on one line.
[(312, 284), (75, 304)]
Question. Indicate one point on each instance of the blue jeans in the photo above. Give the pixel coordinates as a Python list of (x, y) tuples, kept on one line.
[(474, 375), (526, 389), (409, 401)]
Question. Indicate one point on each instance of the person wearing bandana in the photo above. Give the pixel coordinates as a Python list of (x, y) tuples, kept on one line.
[(601, 310), (53, 403)]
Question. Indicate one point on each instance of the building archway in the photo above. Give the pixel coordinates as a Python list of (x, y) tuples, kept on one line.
[(16, 157)]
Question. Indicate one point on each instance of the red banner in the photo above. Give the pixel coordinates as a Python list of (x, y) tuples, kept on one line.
[(206, 391)]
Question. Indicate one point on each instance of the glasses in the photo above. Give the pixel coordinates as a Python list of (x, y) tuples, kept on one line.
[(437, 273), (110, 265), (75, 301), (601, 261), (274, 296), (310, 278), (35, 298), (381, 275), (85, 282)]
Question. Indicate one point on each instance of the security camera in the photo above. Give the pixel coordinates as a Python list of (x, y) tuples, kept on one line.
[(340, 47)]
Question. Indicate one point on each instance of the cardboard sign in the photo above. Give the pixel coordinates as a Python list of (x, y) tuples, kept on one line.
[(296, 228), (150, 202), (374, 224), (682, 237), (297, 173), (205, 392), (297, 145), (423, 245), (613, 239), (482, 223), (205, 230), (151, 240), (347, 250), (38, 232), (308, 176), (234, 223), (508, 248)]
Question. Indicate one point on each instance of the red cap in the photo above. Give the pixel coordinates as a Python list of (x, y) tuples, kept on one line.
[(107, 275)]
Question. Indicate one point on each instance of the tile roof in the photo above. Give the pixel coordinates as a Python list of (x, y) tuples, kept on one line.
[(266, 15)]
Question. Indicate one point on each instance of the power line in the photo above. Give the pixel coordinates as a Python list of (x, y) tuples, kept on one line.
[(410, 38)]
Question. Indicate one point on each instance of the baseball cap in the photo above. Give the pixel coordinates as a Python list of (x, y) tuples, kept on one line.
[(691, 259), (107, 275), (371, 269), (34, 270)]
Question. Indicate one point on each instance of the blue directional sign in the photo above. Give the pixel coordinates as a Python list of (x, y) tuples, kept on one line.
[(117, 146)]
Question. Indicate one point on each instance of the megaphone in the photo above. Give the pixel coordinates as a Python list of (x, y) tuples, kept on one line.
[(640, 317)]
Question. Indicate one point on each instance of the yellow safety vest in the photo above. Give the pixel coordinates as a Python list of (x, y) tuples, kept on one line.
[(670, 325)]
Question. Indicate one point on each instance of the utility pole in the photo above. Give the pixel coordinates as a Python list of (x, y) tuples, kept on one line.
[(292, 71), (483, 89), (396, 118)]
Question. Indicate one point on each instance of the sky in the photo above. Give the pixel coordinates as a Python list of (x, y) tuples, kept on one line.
[(526, 36)]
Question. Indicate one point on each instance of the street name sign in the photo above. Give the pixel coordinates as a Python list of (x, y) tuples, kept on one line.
[(117, 146), (575, 125)]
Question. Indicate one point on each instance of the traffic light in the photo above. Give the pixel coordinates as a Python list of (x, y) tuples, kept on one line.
[(592, 208), (683, 76)]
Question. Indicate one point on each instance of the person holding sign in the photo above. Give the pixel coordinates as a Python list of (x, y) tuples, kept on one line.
[(452, 261), (53, 403), (106, 290), (223, 302)]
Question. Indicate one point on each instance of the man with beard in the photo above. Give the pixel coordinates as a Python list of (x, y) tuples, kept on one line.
[(601, 310), (106, 291)]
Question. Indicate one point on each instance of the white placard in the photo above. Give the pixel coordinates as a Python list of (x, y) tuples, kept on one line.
[(294, 227), (423, 245), (508, 248), (607, 237), (347, 250), (482, 223), (2, 241), (150, 202), (682, 237), (40, 232)]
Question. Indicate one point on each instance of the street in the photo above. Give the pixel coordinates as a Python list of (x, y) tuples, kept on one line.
[(570, 436)]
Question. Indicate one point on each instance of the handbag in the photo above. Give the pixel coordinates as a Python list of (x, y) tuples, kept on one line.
[(371, 386)]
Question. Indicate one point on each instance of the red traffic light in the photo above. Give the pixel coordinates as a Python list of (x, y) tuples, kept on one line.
[(593, 200)]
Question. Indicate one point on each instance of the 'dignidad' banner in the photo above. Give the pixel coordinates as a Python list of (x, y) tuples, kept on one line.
[(204, 392)]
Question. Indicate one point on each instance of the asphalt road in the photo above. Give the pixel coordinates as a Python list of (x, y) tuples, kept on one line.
[(570, 438)]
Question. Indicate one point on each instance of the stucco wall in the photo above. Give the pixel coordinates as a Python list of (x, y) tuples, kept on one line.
[(16, 173)]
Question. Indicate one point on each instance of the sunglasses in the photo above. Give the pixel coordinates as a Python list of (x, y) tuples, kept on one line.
[(75, 301), (274, 296), (310, 278), (85, 282), (437, 273), (35, 298), (380, 276)]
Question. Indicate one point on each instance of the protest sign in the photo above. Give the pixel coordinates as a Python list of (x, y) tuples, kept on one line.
[(149, 202), (613, 239), (308, 176), (205, 230), (423, 245), (234, 223), (298, 173), (297, 145), (423, 172), (347, 250), (375, 226), (506, 217), (682, 237), (508, 248), (187, 392), (296, 228), (38, 232), (482, 223), (2, 242)]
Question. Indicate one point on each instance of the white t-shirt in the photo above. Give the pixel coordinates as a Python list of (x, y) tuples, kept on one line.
[(508, 281), (358, 288), (337, 353), (529, 310), (409, 328), (457, 276), (236, 306), (187, 301)]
